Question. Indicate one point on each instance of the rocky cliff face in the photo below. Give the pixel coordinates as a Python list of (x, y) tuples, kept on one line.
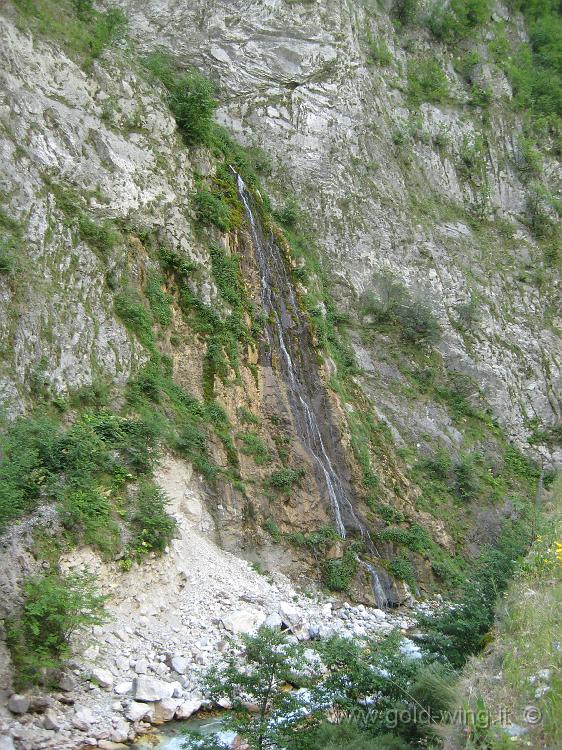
[(116, 275), (284, 354), (383, 184)]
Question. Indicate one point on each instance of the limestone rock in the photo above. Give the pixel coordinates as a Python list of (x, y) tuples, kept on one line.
[(136, 711), (150, 689), (274, 621), (165, 710), (187, 709), (179, 664), (18, 704), (83, 718), (103, 677), (243, 621), (51, 720), (120, 731), (122, 688)]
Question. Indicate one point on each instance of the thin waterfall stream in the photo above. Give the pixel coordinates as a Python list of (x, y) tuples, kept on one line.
[(287, 333)]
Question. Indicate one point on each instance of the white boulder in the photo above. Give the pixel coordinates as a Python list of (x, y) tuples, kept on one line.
[(150, 689), (103, 677), (243, 621), (187, 708)]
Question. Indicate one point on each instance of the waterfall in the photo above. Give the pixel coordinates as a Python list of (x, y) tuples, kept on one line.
[(378, 589), (280, 305), (287, 334)]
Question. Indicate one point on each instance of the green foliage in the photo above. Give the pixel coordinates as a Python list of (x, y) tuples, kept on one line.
[(416, 538), (246, 416), (253, 445), (283, 480), (318, 541), (390, 304), (405, 11), (159, 301), (467, 483), (472, 154), (212, 210), (186, 420), (101, 237), (135, 316), (456, 633), (81, 30), (82, 466), (534, 70), (272, 529), (379, 53), (54, 608), (86, 513), (190, 97), (10, 243), (257, 677), (288, 216), (458, 19), (224, 334), (338, 573), (543, 212), (153, 528), (401, 568), (427, 82), (528, 159)]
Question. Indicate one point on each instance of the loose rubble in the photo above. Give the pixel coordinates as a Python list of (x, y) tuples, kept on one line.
[(171, 618)]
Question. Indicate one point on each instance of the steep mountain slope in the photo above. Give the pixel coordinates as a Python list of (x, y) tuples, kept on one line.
[(342, 335)]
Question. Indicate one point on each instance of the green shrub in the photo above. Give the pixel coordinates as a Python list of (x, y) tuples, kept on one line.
[(246, 416), (418, 323), (8, 256), (54, 608), (541, 211), (426, 82), (77, 26), (10, 242), (272, 529), (528, 159), (190, 97), (212, 210), (284, 480), (467, 482), (288, 216), (401, 568), (405, 11), (339, 573), (160, 302), (87, 514), (102, 237), (135, 316), (252, 445), (379, 53), (472, 158), (153, 528), (457, 632), (458, 19), (535, 70), (226, 275)]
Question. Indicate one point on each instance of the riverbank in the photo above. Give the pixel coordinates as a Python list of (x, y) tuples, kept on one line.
[(170, 619)]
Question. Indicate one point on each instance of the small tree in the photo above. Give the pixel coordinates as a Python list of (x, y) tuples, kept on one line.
[(253, 682), (54, 608)]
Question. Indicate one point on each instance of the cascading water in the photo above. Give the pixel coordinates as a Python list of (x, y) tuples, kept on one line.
[(288, 335), (283, 313)]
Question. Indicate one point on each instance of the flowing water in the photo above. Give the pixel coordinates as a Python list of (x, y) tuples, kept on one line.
[(172, 737), (288, 336)]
